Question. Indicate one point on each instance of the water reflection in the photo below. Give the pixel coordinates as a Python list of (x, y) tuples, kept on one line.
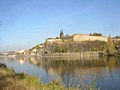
[(106, 70)]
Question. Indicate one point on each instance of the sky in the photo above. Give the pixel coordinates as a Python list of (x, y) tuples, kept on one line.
[(26, 23)]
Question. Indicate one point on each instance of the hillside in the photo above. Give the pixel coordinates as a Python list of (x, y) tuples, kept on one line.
[(74, 46)]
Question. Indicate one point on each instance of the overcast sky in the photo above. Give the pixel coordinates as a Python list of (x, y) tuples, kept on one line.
[(25, 23)]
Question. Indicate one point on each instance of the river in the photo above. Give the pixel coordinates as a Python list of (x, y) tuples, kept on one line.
[(105, 72)]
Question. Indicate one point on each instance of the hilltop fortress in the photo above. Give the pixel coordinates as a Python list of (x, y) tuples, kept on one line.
[(77, 38), (75, 43), (86, 37)]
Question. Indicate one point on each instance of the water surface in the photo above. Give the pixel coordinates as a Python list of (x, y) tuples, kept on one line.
[(104, 71)]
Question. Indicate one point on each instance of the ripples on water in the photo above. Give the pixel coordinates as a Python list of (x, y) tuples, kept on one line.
[(105, 71)]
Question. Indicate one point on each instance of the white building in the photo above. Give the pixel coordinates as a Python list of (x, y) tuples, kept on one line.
[(54, 40), (20, 52)]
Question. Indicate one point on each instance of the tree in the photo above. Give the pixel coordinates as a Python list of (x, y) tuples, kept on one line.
[(117, 46), (90, 34), (110, 49), (67, 35), (117, 36), (97, 34)]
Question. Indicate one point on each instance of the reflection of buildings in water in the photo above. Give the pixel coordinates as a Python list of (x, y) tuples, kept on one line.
[(21, 61), (73, 67), (34, 61), (78, 68), (7, 58), (28, 59), (51, 71), (113, 63)]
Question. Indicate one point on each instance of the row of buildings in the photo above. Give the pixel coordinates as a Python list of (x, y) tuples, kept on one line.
[(32, 52)]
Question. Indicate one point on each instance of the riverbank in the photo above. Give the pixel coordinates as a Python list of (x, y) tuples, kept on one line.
[(10, 80), (94, 55)]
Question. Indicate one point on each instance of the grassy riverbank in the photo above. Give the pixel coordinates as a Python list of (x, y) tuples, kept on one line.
[(10, 80)]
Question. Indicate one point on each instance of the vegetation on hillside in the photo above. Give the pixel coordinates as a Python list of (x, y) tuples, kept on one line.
[(117, 46), (75, 46), (110, 47), (67, 44)]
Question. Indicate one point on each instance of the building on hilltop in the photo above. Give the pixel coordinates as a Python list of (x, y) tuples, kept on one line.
[(86, 37), (20, 51), (50, 40), (61, 33), (58, 39)]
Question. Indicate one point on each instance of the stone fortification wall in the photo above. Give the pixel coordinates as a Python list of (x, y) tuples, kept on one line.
[(86, 37)]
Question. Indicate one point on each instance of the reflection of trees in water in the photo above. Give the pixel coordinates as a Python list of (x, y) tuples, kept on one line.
[(81, 69), (113, 62), (72, 66), (69, 66)]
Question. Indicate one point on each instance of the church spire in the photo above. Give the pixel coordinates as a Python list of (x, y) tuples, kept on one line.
[(61, 33)]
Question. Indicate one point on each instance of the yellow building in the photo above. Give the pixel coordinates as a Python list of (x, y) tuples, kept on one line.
[(86, 37)]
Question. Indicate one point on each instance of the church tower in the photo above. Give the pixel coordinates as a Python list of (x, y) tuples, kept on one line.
[(61, 33)]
